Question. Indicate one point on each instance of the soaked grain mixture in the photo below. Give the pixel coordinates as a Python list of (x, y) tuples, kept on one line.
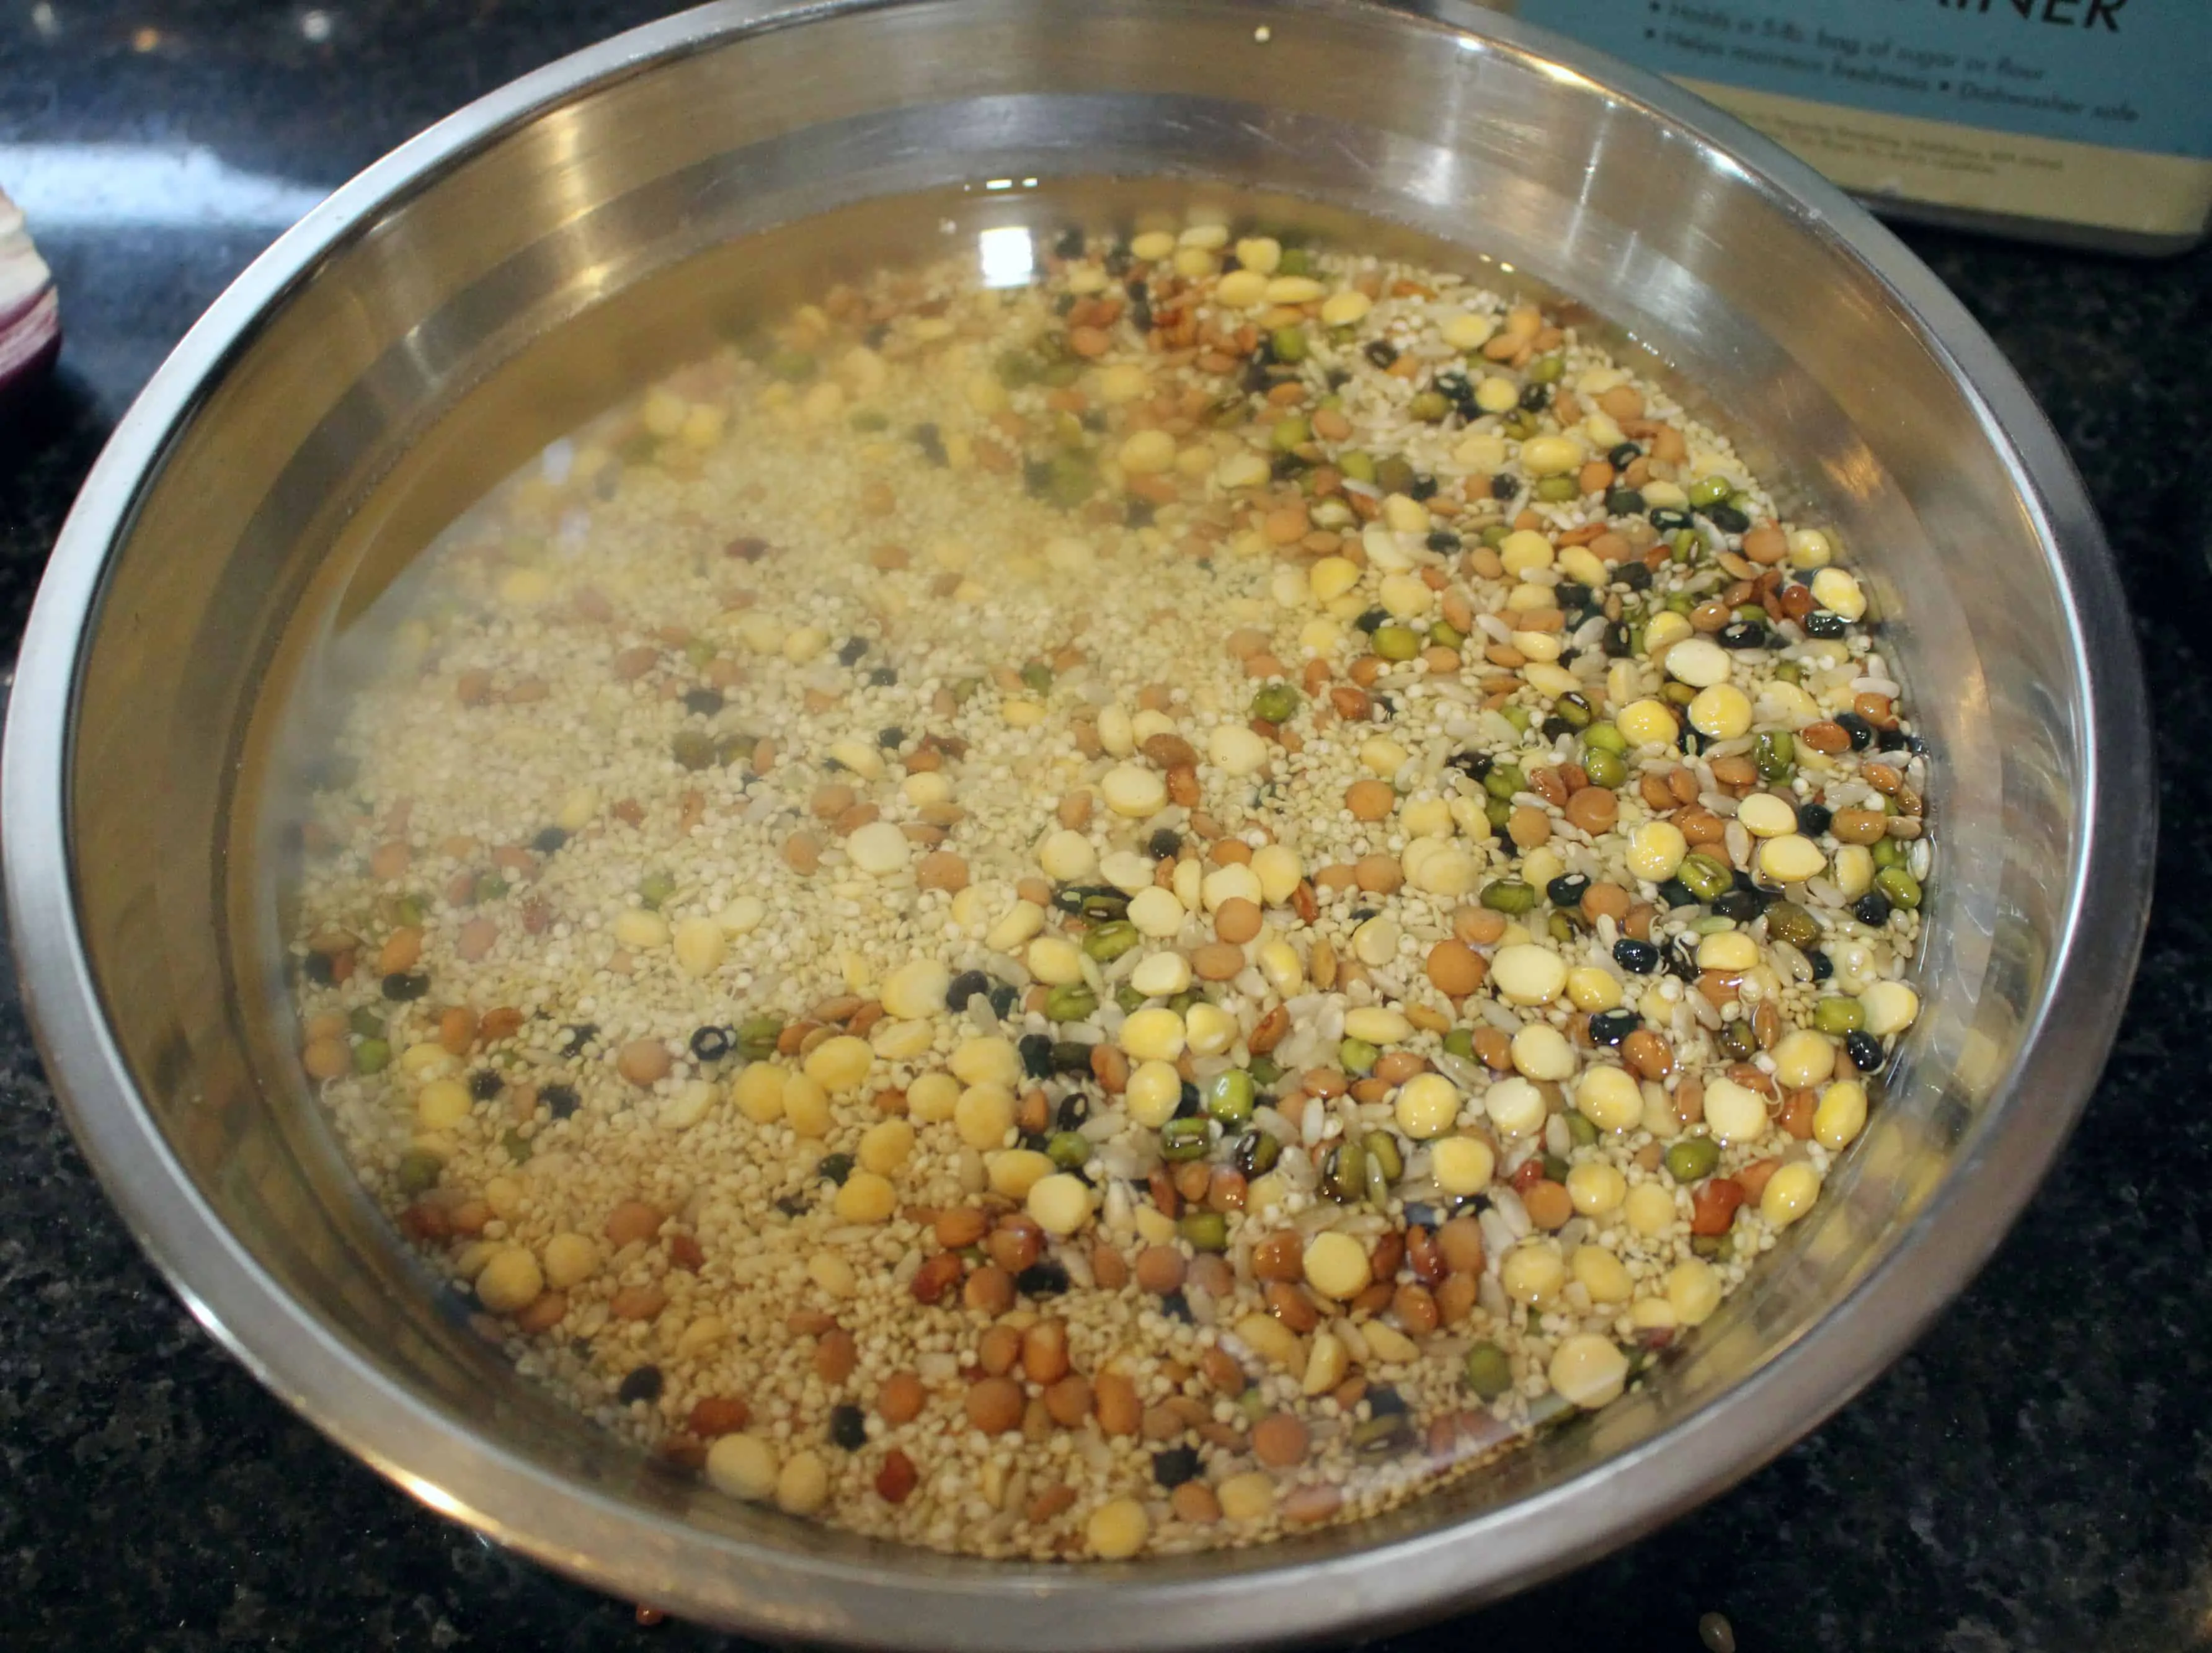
[(1117, 913)]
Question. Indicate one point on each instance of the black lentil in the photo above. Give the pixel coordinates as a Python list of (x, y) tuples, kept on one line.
[(640, 1383), (1176, 1465), (1046, 1279), (1637, 957), (1610, 1027)]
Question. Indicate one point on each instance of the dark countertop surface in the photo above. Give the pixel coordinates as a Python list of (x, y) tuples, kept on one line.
[(2036, 1474)]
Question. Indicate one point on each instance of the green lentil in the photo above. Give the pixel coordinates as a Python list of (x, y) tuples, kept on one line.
[(1489, 1371), (1107, 942), (1838, 1016), (1255, 1153), (792, 366), (1344, 1173), (1775, 753), (757, 1037), (1692, 1158), (1185, 1138), (1705, 876), (1508, 896), (1071, 1002), (1378, 1182), (1788, 921), (1203, 1230), (1382, 1150), (1899, 886), (1229, 1095), (1397, 642)]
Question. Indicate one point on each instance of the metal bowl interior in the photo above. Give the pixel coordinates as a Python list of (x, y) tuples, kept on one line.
[(271, 475)]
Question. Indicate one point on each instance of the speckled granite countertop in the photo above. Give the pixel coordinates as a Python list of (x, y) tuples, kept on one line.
[(2036, 1474)]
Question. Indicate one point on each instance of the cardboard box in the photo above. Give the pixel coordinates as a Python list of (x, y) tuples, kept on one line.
[(2084, 121)]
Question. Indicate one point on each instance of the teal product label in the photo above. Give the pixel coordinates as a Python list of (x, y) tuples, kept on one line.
[(2124, 74)]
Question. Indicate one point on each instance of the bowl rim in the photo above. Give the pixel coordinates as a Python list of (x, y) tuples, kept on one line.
[(616, 1546)]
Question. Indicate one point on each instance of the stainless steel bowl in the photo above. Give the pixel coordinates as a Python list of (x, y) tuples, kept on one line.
[(215, 533)]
